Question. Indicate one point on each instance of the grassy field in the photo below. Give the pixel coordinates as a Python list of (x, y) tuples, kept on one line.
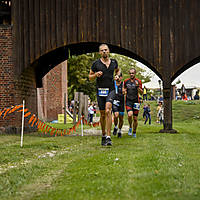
[(151, 166)]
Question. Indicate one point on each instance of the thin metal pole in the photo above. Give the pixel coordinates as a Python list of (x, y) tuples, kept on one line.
[(22, 131), (81, 126)]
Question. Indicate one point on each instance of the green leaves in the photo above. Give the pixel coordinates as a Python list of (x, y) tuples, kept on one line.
[(79, 68), (78, 75)]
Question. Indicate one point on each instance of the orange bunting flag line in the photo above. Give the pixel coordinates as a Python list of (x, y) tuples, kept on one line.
[(41, 127), (74, 128), (6, 112), (15, 108), (27, 114), (2, 111), (52, 130), (46, 128), (33, 122), (32, 117), (25, 110), (39, 124)]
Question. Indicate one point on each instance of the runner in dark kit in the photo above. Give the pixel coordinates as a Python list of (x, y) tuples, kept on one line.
[(132, 86), (118, 105), (103, 70)]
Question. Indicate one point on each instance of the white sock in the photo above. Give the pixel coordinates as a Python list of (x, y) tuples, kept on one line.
[(116, 127), (120, 130), (108, 137)]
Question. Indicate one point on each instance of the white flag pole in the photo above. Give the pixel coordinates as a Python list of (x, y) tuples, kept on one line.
[(22, 132), (81, 126)]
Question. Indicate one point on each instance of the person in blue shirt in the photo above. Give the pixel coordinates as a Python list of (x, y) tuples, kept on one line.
[(147, 113)]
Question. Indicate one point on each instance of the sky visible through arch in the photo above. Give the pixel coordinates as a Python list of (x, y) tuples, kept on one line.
[(190, 77)]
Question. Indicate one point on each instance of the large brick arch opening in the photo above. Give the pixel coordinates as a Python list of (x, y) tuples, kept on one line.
[(48, 61), (49, 70)]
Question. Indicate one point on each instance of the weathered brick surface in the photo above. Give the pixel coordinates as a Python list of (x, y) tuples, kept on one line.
[(52, 93), (6, 73), (14, 89)]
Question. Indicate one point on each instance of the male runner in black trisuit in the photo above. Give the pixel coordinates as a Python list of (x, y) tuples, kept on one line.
[(118, 105), (132, 86), (103, 70)]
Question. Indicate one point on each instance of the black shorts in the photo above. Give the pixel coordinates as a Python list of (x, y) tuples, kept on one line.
[(130, 107), (118, 106), (102, 100)]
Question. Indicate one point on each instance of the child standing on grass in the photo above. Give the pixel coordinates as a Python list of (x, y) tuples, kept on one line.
[(91, 113), (147, 114), (160, 113)]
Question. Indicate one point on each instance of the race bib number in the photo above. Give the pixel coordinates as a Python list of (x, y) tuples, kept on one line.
[(103, 92), (116, 102), (136, 106)]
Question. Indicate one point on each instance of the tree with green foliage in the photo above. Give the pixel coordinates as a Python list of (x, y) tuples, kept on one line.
[(126, 63), (79, 68), (78, 80)]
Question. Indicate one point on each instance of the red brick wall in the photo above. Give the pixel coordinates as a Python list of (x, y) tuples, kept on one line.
[(51, 96), (14, 89), (6, 73)]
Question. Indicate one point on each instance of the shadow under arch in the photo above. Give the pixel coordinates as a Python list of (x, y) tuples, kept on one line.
[(48, 61), (186, 67)]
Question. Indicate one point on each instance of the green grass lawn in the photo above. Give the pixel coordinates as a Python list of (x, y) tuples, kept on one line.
[(151, 166)]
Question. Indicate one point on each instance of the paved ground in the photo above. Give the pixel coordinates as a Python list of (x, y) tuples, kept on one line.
[(97, 130)]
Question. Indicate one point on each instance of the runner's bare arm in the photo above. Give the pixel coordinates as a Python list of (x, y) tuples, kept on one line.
[(124, 90), (93, 75), (140, 90)]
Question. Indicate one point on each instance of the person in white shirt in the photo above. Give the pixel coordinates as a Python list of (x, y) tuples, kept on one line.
[(91, 113)]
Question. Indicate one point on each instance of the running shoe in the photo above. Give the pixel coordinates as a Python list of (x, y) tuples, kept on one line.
[(115, 131), (134, 135), (130, 131), (103, 141), (119, 134), (108, 141)]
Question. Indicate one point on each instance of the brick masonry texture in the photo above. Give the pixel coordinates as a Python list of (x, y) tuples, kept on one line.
[(51, 96), (6, 73), (14, 89)]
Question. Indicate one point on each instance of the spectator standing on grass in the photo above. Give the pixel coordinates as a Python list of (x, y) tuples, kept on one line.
[(91, 113), (147, 114), (132, 88), (161, 115), (158, 112), (103, 70), (183, 91), (144, 93), (196, 96)]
